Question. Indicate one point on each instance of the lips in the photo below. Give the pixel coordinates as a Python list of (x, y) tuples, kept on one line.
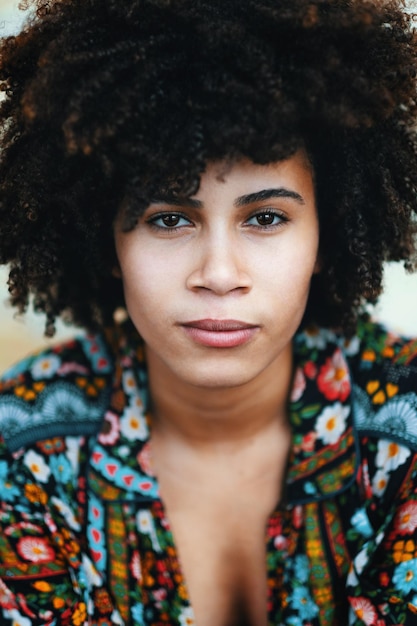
[(220, 333)]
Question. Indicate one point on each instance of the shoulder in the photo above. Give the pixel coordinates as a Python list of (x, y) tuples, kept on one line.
[(60, 391), (383, 367)]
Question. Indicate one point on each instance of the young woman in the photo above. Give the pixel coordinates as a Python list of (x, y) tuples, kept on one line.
[(210, 189)]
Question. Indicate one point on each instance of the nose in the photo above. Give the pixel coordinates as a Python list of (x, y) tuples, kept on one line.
[(219, 267)]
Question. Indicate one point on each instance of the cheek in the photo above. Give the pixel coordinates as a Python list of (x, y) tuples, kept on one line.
[(147, 282), (288, 268)]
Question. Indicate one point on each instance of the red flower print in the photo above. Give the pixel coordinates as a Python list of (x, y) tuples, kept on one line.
[(310, 370), (297, 516), (135, 566), (51, 446), (7, 600), (274, 527), (333, 379), (23, 606), (163, 578), (365, 610), (364, 479), (160, 594), (309, 440), (109, 433), (406, 518), (35, 549)]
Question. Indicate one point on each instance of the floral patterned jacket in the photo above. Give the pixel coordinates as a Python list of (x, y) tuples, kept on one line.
[(84, 538)]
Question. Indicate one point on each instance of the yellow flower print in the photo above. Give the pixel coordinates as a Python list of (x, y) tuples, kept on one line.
[(58, 603), (20, 390), (148, 580), (27, 393), (182, 592), (91, 387), (395, 600), (35, 494), (388, 352), (412, 608), (80, 614), (404, 551), (379, 395), (100, 383), (42, 585), (369, 355)]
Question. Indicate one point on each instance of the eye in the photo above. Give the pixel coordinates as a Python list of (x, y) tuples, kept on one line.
[(267, 219), (168, 221)]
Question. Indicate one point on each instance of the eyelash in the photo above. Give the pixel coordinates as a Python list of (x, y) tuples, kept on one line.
[(152, 221)]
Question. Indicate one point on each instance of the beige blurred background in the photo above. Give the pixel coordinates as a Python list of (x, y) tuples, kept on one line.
[(20, 336)]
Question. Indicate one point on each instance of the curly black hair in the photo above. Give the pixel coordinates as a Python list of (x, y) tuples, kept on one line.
[(107, 102)]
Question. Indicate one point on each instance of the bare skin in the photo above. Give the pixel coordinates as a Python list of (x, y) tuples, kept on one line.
[(219, 519)]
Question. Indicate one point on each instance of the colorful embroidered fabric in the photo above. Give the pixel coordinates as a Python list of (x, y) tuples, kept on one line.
[(84, 538)]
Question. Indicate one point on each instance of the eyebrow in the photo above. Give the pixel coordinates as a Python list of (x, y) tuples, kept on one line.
[(250, 198), (190, 203), (267, 194)]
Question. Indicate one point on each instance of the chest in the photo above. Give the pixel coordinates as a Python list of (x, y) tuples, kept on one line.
[(230, 563), (220, 536)]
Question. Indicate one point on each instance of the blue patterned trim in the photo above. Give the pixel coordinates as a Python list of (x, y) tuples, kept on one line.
[(61, 409), (396, 419)]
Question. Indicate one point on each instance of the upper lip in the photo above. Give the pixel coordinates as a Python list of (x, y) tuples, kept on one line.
[(219, 325)]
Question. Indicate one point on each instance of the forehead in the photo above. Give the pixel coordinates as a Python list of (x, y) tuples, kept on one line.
[(243, 176)]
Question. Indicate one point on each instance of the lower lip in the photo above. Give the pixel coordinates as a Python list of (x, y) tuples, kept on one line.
[(221, 339)]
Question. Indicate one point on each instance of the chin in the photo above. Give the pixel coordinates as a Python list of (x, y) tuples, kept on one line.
[(217, 380)]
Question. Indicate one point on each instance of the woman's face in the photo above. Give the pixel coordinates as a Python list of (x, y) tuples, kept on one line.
[(217, 285)]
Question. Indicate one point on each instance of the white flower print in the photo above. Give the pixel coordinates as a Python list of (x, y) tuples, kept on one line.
[(145, 524), (379, 482), (187, 617), (332, 422), (351, 346), (390, 455), (318, 337), (73, 451), (17, 619), (67, 513), (129, 382), (45, 366), (133, 424), (361, 560), (37, 466)]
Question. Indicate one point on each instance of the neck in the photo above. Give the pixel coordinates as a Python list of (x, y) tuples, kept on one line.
[(231, 416)]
